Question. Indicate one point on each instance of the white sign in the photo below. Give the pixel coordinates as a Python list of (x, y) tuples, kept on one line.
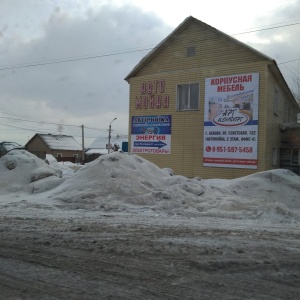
[(231, 121)]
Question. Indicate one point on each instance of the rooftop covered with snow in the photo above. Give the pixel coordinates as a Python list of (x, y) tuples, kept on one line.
[(59, 142)]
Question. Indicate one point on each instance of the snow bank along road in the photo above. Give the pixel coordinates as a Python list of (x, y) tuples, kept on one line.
[(125, 257)]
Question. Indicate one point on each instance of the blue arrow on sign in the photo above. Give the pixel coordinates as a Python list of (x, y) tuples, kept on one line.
[(158, 144)]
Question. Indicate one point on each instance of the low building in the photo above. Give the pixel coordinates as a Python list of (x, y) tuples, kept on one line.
[(290, 148), (62, 147), (94, 153), (208, 105)]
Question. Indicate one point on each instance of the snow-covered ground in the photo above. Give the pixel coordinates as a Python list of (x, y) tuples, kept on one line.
[(123, 183), (125, 210)]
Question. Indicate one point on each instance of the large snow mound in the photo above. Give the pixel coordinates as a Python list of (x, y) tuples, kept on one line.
[(118, 178), (122, 182)]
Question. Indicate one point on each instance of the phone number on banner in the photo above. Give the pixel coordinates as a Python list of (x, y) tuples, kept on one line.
[(229, 149)]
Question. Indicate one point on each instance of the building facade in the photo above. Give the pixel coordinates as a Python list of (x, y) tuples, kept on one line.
[(204, 104), (62, 147), (290, 147)]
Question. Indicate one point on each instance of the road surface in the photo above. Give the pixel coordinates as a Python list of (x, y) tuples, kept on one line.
[(131, 257)]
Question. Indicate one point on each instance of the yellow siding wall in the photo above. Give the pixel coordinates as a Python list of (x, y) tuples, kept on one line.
[(212, 49), (215, 56)]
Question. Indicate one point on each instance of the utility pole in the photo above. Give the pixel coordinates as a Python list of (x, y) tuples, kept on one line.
[(82, 159), (109, 135)]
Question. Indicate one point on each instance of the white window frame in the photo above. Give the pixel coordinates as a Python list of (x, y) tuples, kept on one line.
[(188, 105)]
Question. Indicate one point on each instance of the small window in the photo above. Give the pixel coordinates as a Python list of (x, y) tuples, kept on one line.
[(274, 157), (59, 155), (276, 101), (188, 96), (191, 51), (286, 113), (285, 156), (290, 116), (75, 158), (295, 157)]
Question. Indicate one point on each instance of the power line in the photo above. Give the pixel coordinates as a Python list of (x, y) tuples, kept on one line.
[(51, 123), (44, 131), (262, 29), (23, 128), (285, 62), (47, 123), (280, 23), (48, 130), (70, 60), (22, 116), (58, 61), (103, 130), (93, 57), (38, 122)]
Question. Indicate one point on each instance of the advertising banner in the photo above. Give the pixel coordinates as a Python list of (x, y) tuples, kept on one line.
[(231, 121), (151, 134)]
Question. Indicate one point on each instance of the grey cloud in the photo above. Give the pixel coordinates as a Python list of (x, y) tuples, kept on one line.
[(85, 86), (282, 43)]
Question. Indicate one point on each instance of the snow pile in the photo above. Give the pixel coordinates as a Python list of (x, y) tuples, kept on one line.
[(273, 194), (277, 186), (120, 182), (67, 168), (23, 171)]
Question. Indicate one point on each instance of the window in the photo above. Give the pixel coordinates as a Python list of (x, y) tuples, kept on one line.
[(290, 116), (276, 101), (295, 156), (75, 158), (191, 51), (274, 157), (286, 113), (285, 156), (290, 156), (59, 155), (188, 96)]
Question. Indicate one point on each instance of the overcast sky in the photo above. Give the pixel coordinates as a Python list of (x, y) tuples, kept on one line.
[(63, 62)]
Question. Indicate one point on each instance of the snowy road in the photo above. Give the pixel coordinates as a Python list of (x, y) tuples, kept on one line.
[(138, 257)]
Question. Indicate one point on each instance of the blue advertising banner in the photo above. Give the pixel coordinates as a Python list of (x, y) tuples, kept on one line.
[(151, 134)]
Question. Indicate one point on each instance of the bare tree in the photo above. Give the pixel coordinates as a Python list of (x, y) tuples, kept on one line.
[(295, 82)]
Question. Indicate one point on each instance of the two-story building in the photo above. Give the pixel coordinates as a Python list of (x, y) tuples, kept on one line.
[(208, 105)]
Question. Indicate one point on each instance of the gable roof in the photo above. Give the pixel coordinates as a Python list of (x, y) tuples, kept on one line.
[(59, 142), (189, 20)]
